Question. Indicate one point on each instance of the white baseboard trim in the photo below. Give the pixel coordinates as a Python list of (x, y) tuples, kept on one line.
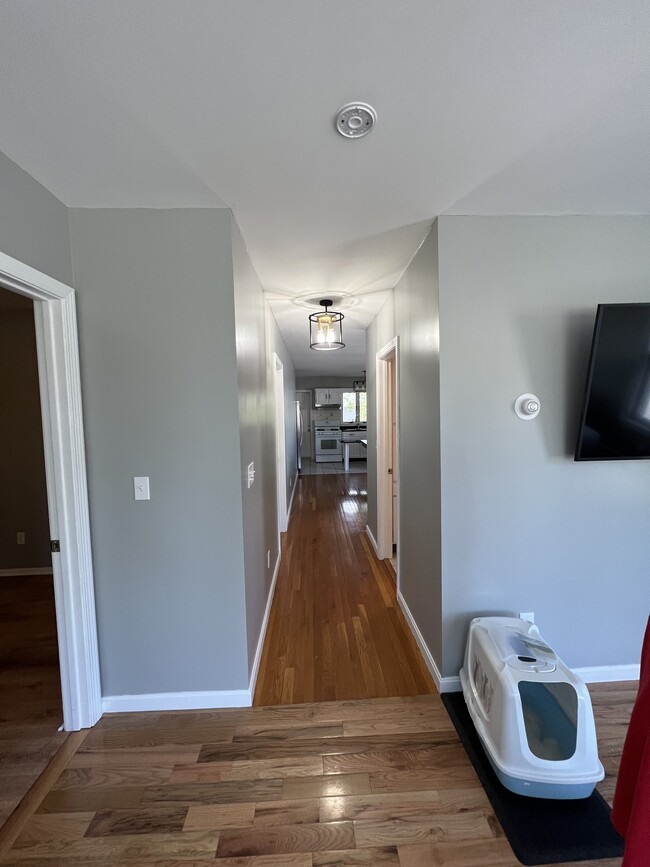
[(373, 542), (589, 674), (176, 701), (450, 684), (265, 623), (441, 682), (608, 673), (15, 573), (293, 494)]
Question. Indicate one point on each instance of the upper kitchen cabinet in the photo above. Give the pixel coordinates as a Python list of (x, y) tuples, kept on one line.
[(327, 396)]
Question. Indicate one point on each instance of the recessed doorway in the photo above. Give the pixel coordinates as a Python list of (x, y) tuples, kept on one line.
[(387, 379), (67, 496)]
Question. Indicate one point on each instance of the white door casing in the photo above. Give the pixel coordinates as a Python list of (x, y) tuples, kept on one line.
[(67, 493), (280, 446), (387, 357)]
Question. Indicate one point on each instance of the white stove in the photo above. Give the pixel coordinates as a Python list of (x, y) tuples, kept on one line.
[(328, 441)]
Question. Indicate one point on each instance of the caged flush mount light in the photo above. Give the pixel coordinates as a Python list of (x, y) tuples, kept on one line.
[(326, 329)]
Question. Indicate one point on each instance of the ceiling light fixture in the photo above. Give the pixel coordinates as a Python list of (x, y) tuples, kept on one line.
[(355, 119), (326, 329)]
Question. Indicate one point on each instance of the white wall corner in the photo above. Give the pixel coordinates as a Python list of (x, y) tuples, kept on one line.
[(443, 684), (373, 542), (265, 623), (608, 673), (208, 700)]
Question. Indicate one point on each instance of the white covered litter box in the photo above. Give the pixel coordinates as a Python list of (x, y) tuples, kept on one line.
[(532, 713)]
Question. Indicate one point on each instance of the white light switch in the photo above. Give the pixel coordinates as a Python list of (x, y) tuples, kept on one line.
[(251, 474), (141, 488), (20, 538)]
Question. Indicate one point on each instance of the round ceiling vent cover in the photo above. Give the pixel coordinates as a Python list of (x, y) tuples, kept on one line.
[(355, 119)]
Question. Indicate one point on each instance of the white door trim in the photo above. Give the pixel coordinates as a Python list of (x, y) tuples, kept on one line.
[(280, 446), (384, 481), (67, 494)]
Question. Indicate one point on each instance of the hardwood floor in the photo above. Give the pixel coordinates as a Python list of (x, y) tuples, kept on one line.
[(374, 782), (380, 780), (335, 631), (30, 690)]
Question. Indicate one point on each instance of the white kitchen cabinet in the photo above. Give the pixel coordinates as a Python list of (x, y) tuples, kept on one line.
[(327, 396), (357, 451)]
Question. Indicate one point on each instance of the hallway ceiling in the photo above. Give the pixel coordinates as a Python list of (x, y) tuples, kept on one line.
[(494, 107)]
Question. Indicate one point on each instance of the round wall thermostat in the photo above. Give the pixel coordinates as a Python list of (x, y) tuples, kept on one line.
[(527, 406)]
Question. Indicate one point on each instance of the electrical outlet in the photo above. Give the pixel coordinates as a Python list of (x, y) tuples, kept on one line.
[(527, 615), (20, 538), (250, 474), (268, 559)]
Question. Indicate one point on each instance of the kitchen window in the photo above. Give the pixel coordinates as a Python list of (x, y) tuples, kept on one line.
[(354, 407)]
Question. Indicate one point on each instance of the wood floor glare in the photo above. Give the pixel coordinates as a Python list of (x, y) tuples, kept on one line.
[(308, 785), (379, 780)]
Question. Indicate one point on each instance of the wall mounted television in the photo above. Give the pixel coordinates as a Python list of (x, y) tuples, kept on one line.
[(615, 421)]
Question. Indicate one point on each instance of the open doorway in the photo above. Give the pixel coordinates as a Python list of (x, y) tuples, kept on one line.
[(388, 454), (280, 446), (67, 497), (31, 708)]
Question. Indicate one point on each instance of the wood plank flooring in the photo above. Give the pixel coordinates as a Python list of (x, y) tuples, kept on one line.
[(373, 782), (335, 631), (30, 689)]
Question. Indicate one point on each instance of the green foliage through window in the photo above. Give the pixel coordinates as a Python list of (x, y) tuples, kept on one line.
[(354, 407)]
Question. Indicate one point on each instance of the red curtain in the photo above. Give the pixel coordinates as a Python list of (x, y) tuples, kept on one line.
[(631, 810)]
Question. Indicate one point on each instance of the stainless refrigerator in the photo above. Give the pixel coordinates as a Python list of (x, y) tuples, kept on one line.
[(300, 430)]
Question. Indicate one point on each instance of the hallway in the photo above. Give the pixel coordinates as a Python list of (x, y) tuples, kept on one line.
[(335, 631)]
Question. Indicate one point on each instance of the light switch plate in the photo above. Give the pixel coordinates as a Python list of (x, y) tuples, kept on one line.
[(141, 488)]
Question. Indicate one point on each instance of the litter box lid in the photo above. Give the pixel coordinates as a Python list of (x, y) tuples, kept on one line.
[(520, 648)]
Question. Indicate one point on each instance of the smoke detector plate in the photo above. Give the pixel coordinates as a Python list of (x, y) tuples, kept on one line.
[(355, 119)]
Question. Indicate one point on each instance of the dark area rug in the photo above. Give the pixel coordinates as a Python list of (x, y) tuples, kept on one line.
[(540, 831)]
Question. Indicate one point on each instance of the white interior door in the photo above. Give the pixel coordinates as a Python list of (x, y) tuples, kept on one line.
[(387, 399), (393, 442), (280, 454)]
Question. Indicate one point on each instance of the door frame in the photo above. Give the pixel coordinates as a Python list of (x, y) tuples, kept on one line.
[(57, 349), (384, 481), (280, 446)]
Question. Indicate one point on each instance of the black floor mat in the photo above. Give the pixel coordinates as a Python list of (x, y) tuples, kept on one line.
[(540, 831)]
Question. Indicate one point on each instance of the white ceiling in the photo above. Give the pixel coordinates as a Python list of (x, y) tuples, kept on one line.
[(484, 107)]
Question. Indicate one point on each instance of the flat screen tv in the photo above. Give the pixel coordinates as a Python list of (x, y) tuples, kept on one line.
[(615, 422)]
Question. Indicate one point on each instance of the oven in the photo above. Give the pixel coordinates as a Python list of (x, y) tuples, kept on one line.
[(328, 444)]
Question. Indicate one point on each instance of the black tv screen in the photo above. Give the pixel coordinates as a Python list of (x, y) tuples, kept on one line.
[(615, 423)]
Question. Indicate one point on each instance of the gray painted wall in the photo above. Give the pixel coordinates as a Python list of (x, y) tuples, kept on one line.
[(257, 340), (414, 315), (158, 366), (23, 503), (417, 325), (524, 527), (305, 382), (33, 223)]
